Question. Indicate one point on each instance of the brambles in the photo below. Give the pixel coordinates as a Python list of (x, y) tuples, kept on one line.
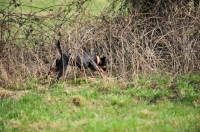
[(133, 43)]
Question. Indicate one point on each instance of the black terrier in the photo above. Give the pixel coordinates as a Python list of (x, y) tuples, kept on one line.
[(84, 61)]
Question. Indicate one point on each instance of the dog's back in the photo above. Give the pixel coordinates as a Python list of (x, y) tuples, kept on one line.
[(87, 61)]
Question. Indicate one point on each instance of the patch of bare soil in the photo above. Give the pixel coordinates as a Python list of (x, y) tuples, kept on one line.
[(11, 94)]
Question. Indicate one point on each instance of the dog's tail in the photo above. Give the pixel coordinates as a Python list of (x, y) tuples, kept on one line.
[(59, 48)]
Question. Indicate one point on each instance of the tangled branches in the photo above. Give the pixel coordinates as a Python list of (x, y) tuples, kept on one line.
[(136, 42)]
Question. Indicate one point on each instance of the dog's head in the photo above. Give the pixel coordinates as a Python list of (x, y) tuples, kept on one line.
[(103, 63)]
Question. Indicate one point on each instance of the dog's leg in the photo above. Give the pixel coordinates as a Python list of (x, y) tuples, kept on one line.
[(82, 73), (51, 71), (102, 71), (60, 73)]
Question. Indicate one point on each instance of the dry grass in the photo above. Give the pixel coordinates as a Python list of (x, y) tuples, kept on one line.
[(11, 94), (133, 43)]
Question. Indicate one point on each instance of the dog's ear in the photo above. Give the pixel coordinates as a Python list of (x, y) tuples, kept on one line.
[(103, 59), (103, 63)]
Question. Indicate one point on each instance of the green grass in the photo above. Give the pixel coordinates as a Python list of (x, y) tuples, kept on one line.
[(154, 103), (26, 6)]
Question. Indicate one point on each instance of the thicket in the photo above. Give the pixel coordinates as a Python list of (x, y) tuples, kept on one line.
[(137, 38)]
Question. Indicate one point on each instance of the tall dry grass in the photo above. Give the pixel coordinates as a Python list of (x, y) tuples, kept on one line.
[(160, 40)]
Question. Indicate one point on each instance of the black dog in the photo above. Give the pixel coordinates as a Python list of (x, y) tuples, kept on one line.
[(84, 61)]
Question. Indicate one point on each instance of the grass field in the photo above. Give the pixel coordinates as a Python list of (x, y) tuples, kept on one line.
[(42, 6), (156, 103)]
